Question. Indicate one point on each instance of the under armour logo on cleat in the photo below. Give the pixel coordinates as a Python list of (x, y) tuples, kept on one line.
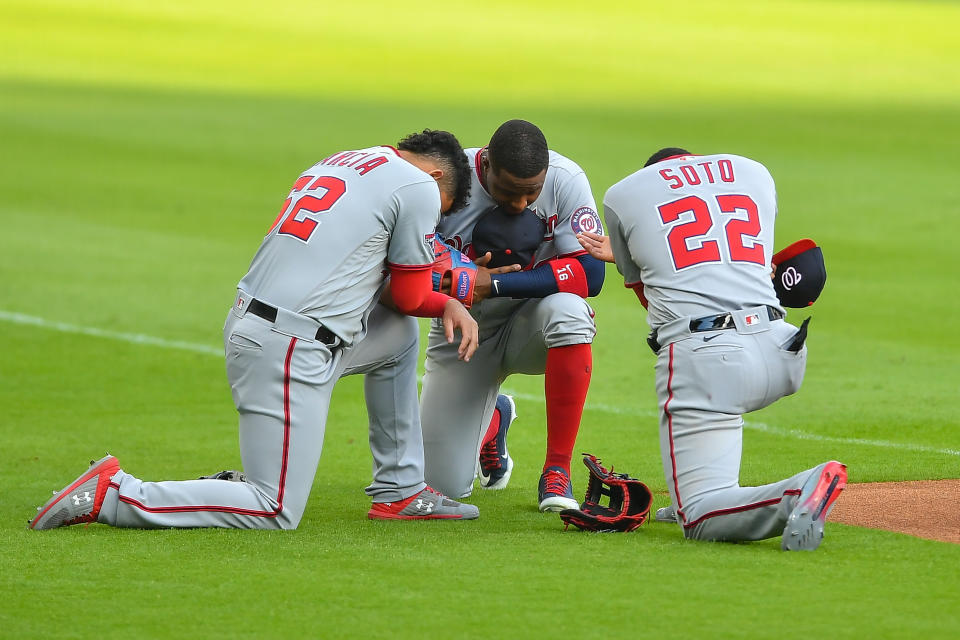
[(78, 499), (424, 505)]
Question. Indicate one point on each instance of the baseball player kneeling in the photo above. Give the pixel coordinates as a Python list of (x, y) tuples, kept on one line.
[(693, 237), (527, 203), (307, 313)]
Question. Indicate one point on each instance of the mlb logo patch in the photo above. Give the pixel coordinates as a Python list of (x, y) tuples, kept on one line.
[(751, 320)]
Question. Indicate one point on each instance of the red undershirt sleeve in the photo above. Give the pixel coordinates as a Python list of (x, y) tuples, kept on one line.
[(412, 292)]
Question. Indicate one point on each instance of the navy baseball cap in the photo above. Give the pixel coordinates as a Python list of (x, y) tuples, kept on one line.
[(512, 238), (801, 274)]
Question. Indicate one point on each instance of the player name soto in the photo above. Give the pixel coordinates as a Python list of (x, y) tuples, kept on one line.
[(363, 161), (694, 173)]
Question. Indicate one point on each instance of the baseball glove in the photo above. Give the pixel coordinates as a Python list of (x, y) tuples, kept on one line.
[(232, 476), (455, 270), (628, 506)]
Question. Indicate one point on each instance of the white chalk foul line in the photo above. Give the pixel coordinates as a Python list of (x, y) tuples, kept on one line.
[(757, 426), (142, 339), (133, 338), (802, 435)]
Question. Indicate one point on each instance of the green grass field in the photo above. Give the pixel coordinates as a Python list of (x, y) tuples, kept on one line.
[(146, 148)]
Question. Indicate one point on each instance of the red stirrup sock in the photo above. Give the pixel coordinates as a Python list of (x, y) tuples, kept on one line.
[(492, 428), (565, 387)]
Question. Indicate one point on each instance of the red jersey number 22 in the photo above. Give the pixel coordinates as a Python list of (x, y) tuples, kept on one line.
[(742, 244), (297, 222)]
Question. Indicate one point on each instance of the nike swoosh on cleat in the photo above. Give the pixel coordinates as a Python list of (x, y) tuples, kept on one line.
[(826, 497)]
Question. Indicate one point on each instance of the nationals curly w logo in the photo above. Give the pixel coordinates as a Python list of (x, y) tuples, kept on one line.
[(790, 278)]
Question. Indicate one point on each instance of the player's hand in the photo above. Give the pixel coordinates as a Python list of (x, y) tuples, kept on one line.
[(596, 245), (482, 287), (456, 318)]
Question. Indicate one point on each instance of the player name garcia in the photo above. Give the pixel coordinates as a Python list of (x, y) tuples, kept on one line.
[(363, 162)]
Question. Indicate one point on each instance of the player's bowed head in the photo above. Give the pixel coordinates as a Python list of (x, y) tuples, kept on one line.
[(514, 165), (439, 154), (663, 154)]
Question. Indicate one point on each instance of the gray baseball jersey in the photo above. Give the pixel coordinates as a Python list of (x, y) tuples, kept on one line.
[(697, 232), (457, 399), (707, 244), (321, 266), (325, 255)]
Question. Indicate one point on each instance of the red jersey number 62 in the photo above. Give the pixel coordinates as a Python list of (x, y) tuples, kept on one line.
[(297, 222)]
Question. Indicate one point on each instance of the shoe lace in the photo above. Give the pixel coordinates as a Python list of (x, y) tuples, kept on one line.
[(490, 456), (434, 492), (556, 482), (442, 499)]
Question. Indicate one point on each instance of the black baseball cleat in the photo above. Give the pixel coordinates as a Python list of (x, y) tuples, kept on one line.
[(555, 493), (495, 462)]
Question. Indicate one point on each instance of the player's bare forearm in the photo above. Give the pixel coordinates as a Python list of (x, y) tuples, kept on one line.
[(596, 245), (457, 318)]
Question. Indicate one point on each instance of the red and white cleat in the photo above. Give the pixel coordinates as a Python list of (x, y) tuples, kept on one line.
[(804, 530), (426, 505), (79, 501)]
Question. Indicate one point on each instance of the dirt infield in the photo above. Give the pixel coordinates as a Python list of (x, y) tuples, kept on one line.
[(926, 509)]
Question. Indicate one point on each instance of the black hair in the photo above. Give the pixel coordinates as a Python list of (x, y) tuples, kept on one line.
[(443, 147), (666, 152), (520, 148)]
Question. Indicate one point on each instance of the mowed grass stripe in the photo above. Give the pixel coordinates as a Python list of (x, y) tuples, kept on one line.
[(133, 338), (738, 51), (143, 339)]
